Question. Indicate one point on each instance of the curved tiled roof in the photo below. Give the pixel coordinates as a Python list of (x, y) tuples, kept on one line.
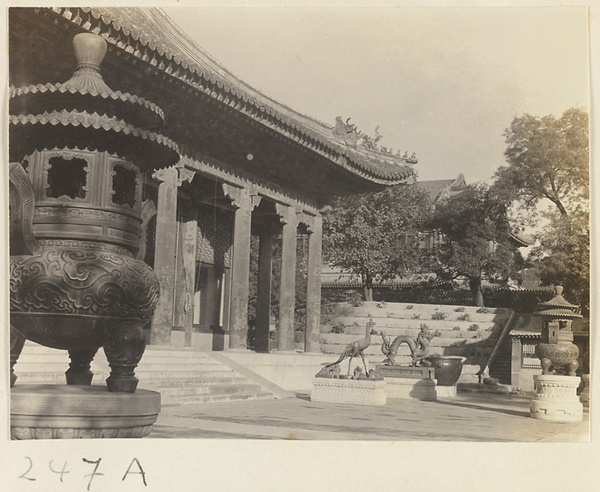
[(150, 35), (438, 188), (434, 188)]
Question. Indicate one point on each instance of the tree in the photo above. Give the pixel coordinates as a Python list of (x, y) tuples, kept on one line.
[(476, 231), (369, 235), (562, 255), (548, 158)]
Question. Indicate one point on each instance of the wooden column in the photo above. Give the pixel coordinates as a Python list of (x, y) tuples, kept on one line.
[(186, 277), (263, 290), (313, 286), (226, 295), (179, 284), (165, 254), (287, 288), (240, 266)]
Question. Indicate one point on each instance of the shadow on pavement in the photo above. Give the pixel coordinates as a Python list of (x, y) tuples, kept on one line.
[(517, 413)]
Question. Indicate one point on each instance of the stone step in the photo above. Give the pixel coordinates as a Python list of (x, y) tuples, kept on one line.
[(376, 309), (150, 363), (161, 385), (143, 370), (422, 315), (50, 354), (48, 377), (446, 338), (180, 375), (163, 359), (187, 390), (215, 398), (407, 326), (156, 378), (154, 350), (46, 353), (175, 366), (211, 390), (339, 344), (61, 357), (183, 373), (50, 365), (197, 381)]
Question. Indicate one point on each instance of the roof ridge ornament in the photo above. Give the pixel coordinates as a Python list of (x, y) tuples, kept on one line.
[(346, 131), (90, 50)]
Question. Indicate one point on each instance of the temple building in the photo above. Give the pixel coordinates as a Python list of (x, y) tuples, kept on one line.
[(247, 166), (438, 190)]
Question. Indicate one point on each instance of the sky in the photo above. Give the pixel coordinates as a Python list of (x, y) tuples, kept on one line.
[(441, 82)]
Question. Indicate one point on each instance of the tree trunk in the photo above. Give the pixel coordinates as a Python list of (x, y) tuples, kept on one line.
[(475, 286), (368, 287), (560, 206)]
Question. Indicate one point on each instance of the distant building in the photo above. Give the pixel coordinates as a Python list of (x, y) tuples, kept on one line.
[(440, 189)]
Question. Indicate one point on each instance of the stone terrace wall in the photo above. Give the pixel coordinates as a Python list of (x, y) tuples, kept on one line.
[(466, 331), (440, 293)]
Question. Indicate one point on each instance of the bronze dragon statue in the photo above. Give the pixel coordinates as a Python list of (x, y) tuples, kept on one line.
[(419, 347)]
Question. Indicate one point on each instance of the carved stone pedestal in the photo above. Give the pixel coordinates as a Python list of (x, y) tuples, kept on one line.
[(45, 411), (420, 389), (408, 381), (408, 372), (556, 399), (349, 391), (445, 391)]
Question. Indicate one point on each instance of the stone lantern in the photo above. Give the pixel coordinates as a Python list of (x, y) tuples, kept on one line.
[(77, 277), (556, 388)]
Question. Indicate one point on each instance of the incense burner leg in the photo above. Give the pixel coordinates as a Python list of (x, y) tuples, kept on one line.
[(16, 346), (546, 364), (124, 346), (572, 368), (79, 372)]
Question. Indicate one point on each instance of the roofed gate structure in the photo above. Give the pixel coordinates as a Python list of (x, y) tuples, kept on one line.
[(247, 165)]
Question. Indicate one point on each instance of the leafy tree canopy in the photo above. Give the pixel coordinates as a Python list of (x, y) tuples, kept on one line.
[(369, 234), (547, 158), (562, 255), (476, 243)]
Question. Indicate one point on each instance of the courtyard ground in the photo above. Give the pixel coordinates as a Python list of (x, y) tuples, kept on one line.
[(469, 417)]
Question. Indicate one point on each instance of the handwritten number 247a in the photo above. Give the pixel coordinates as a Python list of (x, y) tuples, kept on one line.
[(27, 475)]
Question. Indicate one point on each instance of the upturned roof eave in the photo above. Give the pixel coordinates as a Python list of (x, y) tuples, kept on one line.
[(520, 241), (179, 56)]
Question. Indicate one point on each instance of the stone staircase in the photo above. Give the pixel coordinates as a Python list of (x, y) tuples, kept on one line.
[(466, 331), (181, 375)]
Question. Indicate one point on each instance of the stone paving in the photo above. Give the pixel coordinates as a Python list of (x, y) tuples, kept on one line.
[(472, 417)]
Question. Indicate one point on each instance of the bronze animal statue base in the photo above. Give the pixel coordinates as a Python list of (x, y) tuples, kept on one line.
[(332, 372)]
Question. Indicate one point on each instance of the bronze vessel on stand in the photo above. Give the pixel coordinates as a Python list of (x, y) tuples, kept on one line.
[(556, 350), (78, 281)]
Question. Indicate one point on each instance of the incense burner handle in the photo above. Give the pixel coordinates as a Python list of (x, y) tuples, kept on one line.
[(22, 204)]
